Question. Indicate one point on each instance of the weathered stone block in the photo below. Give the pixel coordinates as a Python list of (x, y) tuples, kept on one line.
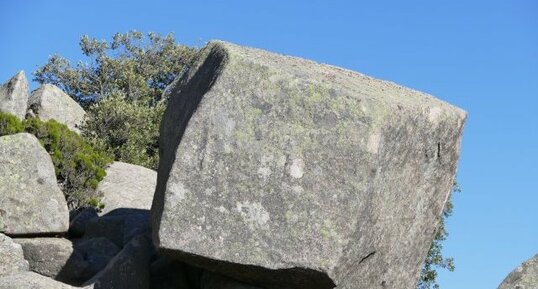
[(50, 102), (285, 173), (30, 200), (127, 186), (11, 257), (14, 95)]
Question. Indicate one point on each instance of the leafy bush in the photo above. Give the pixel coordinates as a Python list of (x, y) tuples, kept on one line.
[(121, 83), (125, 129), (78, 165), (10, 124)]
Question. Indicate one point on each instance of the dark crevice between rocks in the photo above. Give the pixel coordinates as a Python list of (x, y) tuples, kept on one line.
[(184, 99), (289, 278), (36, 235)]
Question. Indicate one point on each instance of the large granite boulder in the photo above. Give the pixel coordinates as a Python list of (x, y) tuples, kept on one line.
[(127, 186), (30, 200), (14, 95), (523, 277), (11, 257), (282, 172), (50, 102)]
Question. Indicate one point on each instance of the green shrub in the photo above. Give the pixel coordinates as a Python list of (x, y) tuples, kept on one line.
[(121, 81), (127, 130), (78, 165), (10, 124)]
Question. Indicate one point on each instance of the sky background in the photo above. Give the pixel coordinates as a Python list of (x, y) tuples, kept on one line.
[(479, 55)]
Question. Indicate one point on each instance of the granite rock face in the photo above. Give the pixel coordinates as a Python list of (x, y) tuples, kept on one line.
[(523, 277), (31, 280), (127, 186), (11, 257), (50, 102), (30, 200), (53, 257), (14, 95), (284, 173)]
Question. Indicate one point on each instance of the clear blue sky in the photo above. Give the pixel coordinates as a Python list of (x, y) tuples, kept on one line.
[(479, 55)]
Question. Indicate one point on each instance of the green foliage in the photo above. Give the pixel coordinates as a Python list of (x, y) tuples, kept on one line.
[(435, 259), (131, 71), (10, 124), (125, 129), (79, 167)]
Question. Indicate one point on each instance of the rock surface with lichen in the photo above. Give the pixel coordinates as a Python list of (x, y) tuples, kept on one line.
[(285, 173), (524, 276), (127, 186), (50, 102), (30, 200), (14, 95), (11, 257)]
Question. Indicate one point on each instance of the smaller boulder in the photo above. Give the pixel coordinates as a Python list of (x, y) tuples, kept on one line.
[(523, 277), (53, 257), (127, 186), (11, 257), (50, 102), (14, 95), (129, 269), (30, 200)]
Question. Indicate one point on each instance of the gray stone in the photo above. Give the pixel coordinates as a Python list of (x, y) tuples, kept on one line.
[(127, 186), (50, 102), (11, 257), (55, 258), (61, 260), (77, 227), (30, 200), (14, 95), (216, 281), (523, 277), (31, 280), (282, 172), (129, 269)]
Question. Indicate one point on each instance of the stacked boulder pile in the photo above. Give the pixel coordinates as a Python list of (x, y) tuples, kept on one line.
[(275, 172)]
